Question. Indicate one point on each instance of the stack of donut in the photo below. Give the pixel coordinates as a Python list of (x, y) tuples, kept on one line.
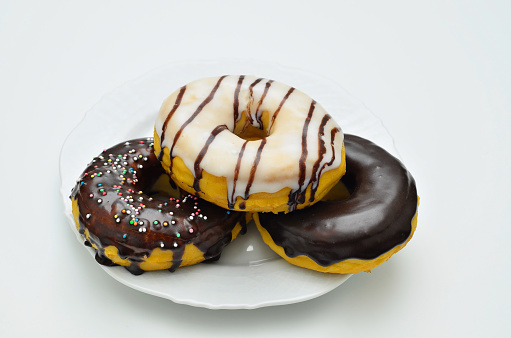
[(231, 148)]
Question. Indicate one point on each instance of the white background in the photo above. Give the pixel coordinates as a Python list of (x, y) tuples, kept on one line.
[(438, 73)]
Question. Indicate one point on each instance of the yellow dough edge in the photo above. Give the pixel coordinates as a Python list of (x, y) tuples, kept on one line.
[(348, 266), (158, 259), (214, 189)]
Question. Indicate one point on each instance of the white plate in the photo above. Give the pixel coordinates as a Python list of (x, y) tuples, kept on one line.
[(248, 275)]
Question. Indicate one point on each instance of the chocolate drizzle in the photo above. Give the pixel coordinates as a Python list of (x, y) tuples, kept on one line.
[(197, 165), (194, 115), (231, 199), (258, 113), (253, 170), (374, 219), (117, 209), (281, 104), (249, 115), (252, 85), (316, 172), (298, 196), (169, 116), (237, 98)]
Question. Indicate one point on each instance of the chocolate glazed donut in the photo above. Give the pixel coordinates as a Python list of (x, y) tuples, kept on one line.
[(118, 215), (356, 233)]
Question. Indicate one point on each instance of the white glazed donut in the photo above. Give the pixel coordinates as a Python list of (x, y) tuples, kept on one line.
[(247, 143)]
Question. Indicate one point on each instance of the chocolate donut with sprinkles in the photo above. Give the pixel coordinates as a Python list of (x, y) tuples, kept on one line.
[(366, 218), (129, 222)]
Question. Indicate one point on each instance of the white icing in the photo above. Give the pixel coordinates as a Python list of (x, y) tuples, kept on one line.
[(279, 163)]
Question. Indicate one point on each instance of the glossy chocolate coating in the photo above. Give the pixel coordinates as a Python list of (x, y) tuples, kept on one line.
[(374, 219), (117, 208)]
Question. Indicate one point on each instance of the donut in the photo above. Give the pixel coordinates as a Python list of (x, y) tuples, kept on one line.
[(373, 216), (143, 228), (249, 144)]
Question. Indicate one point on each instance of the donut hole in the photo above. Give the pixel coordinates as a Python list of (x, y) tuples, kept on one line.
[(343, 189), (350, 182), (250, 127), (251, 133), (163, 187)]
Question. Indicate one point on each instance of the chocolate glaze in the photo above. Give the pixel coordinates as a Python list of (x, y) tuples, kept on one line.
[(374, 219), (110, 194)]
